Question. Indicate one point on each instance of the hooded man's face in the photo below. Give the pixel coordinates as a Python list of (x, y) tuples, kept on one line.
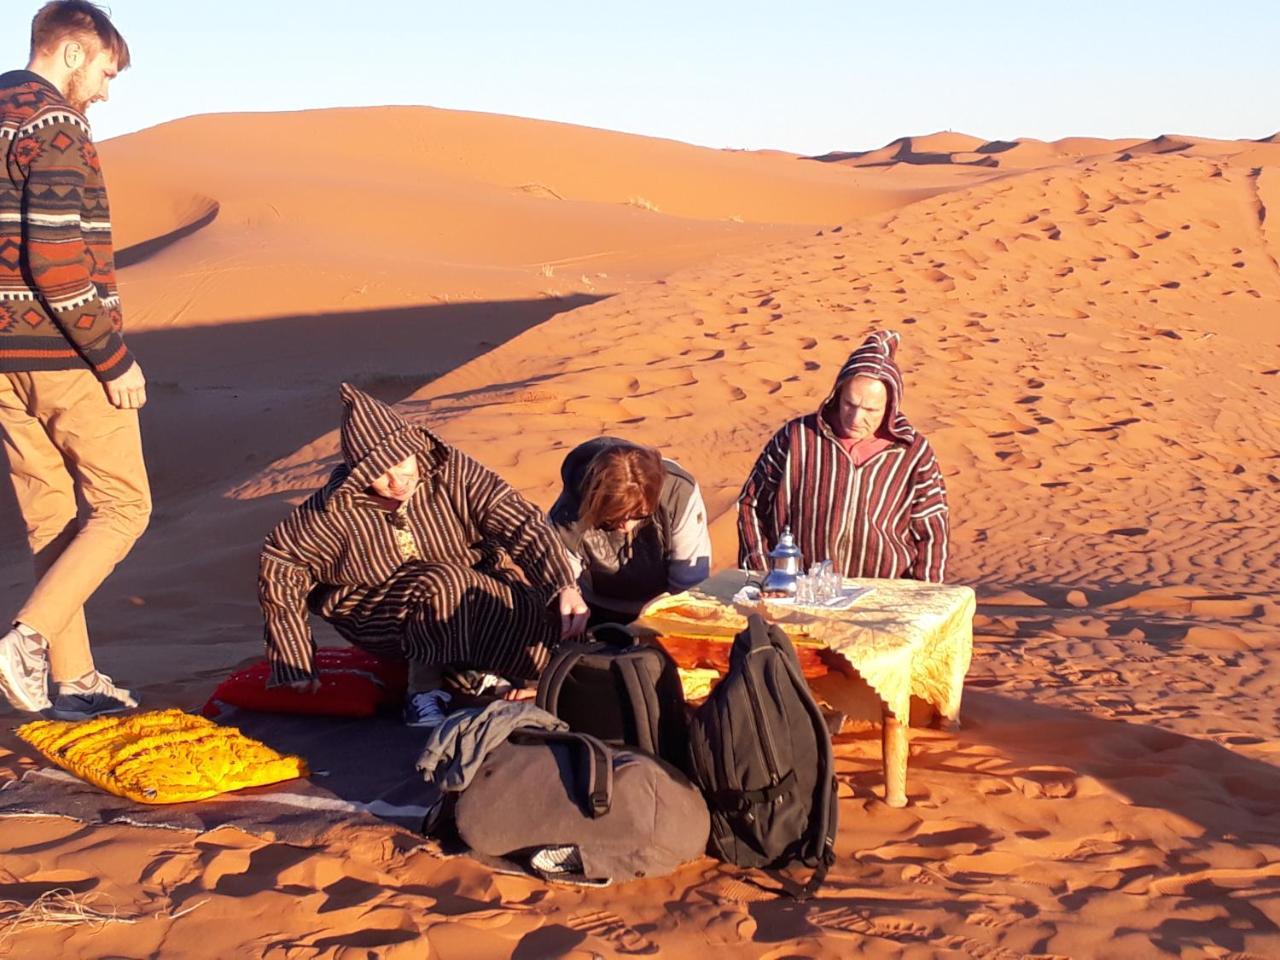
[(858, 410), (399, 482)]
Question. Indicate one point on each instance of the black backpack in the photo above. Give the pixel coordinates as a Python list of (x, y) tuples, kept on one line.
[(762, 755), (622, 691)]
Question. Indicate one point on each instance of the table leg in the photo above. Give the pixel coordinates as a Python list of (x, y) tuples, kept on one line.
[(895, 739)]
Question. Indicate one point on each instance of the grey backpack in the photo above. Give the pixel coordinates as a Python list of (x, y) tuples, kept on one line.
[(573, 808)]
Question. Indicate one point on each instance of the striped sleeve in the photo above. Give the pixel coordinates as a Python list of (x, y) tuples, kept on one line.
[(519, 527), (64, 202), (756, 516), (286, 577), (929, 520)]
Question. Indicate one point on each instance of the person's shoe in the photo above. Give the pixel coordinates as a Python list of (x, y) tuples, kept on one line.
[(24, 670), (426, 710), (493, 685), (91, 696), (478, 683)]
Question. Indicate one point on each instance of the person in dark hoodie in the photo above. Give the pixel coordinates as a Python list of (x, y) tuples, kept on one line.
[(634, 525), (415, 551), (854, 481)]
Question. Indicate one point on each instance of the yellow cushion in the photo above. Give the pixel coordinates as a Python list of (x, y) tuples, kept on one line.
[(163, 756)]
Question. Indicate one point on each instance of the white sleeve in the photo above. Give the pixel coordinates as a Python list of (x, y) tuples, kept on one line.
[(690, 553)]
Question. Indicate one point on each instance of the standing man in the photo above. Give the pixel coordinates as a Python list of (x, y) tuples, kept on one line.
[(855, 482), (69, 388)]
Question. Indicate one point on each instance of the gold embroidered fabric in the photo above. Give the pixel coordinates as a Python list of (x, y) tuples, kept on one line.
[(904, 638), (404, 535), (163, 756)]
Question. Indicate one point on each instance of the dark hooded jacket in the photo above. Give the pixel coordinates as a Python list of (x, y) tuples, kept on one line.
[(340, 546), (669, 551), (886, 518)]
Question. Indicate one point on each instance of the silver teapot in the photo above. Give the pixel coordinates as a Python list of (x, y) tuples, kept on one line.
[(785, 566)]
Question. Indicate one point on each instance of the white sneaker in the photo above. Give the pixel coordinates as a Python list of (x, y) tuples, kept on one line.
[(492, 685), (24, 670), (91, 696), (426, 709)]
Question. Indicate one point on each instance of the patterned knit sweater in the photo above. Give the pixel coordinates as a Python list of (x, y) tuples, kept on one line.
[(886, 518), (339, 545), (59, 309)]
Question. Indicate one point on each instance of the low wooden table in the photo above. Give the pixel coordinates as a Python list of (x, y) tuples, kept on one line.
[(903, 639)]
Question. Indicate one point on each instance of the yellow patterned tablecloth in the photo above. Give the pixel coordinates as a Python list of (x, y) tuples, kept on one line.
[(904, 638)]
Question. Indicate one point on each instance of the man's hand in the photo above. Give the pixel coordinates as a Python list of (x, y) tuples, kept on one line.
[(309, 685), (129, 390), (573, 613)]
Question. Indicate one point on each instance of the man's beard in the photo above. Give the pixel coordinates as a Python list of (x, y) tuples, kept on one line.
[(76, 94)]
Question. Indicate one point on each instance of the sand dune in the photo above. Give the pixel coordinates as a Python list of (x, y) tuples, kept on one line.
[(1069, 311), (400, 206), (1088, 339)]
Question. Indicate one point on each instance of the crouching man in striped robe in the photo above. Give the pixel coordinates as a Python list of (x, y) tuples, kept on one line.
[(854, 481), (413, 550)]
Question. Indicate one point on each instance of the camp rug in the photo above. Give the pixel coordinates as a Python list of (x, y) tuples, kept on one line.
[(361, 771)]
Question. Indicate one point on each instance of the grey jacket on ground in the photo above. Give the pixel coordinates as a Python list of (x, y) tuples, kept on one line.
[(455, 750)]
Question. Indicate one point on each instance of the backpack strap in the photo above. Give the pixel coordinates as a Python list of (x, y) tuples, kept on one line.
[(640, 692), (597, 765), (732, 801), (803, 891), (561, 665), (616, 635)]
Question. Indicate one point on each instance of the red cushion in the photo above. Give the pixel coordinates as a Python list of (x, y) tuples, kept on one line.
[(353, 683)]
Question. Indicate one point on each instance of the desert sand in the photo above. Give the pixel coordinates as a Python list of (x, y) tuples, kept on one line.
[(1089, 340)]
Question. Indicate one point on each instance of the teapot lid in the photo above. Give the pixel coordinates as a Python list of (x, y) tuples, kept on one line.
[(786, 545)]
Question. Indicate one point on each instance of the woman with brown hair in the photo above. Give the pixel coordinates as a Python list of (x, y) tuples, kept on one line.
[(634, 525)]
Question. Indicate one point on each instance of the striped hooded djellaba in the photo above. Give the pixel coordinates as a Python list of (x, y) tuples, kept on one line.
[(886, 518), (463, 573)]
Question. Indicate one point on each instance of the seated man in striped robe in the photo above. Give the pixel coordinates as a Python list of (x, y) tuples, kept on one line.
[(413, 550), (854, 481)]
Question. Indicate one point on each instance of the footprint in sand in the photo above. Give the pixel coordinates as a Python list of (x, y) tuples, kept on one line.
[(729, 927), (847, 920), (1039, 786), (978, 949), (733, 890), (613, 929), (917, 873), (993, 921)]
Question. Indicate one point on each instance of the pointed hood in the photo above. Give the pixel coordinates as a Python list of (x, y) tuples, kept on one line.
[(875, 358), (375, 438)]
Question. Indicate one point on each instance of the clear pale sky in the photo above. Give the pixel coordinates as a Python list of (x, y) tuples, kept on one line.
[(801, 75)]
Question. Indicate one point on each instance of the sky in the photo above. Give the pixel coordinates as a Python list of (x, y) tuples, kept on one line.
[(806, 76)]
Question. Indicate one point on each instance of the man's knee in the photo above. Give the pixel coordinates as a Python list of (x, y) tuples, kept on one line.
[(127, 518), (135, 517)]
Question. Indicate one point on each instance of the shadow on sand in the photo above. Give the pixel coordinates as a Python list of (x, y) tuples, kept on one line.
[(225, 400)]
